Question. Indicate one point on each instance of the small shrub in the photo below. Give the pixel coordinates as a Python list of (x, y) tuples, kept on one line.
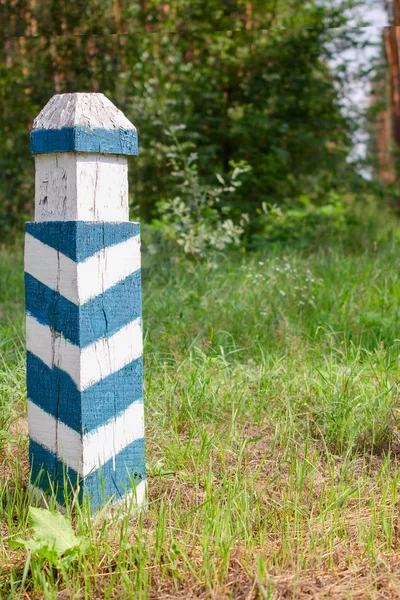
[(198, 219), (306, 225)]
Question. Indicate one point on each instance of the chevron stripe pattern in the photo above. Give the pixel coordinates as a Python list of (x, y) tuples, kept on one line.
[(84, 359)]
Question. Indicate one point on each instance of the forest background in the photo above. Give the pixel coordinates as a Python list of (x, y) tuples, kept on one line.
[(245, 129)]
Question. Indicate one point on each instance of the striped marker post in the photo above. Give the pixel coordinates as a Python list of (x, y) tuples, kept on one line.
[(83, 306)]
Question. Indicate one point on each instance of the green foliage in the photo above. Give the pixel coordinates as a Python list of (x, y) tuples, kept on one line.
[(306, 224), (198, 219), (266, 97), (53, 538), (249, 80)]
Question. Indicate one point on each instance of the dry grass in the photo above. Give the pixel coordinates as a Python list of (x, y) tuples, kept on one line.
[(323, 557)]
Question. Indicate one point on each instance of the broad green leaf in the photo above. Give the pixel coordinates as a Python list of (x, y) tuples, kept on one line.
[(53, 528), (53, 535)]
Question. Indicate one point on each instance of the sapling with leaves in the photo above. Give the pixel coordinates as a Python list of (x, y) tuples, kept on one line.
[(199, 218)]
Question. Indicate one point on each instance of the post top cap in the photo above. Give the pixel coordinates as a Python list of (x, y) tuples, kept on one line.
[(83, 122)]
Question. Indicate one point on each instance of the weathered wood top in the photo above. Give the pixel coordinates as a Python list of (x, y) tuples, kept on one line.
[(81, 122), (81, 109)]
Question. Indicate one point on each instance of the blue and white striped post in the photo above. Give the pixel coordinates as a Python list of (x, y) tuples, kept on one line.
[(83, 306)]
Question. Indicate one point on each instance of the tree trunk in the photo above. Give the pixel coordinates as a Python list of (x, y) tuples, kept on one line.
[(392, 47), (392, 53)]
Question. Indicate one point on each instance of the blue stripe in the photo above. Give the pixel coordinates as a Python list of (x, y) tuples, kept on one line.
[(48, 472), (81, 239), (85, 139), (82, 325), (54, 391)]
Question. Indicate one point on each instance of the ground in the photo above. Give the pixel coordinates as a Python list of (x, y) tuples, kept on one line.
[(272, 423)]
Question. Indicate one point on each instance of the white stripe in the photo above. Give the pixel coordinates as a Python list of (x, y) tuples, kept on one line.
[(60, 439), (91, 364), (79, 282), (86, 454), (135, 499), (109, 439), (51, 268), (52, 348)]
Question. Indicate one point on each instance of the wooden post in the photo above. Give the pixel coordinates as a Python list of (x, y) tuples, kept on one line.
[(83, 306)]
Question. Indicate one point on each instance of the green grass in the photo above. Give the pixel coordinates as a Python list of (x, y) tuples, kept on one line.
[(272, 413)]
